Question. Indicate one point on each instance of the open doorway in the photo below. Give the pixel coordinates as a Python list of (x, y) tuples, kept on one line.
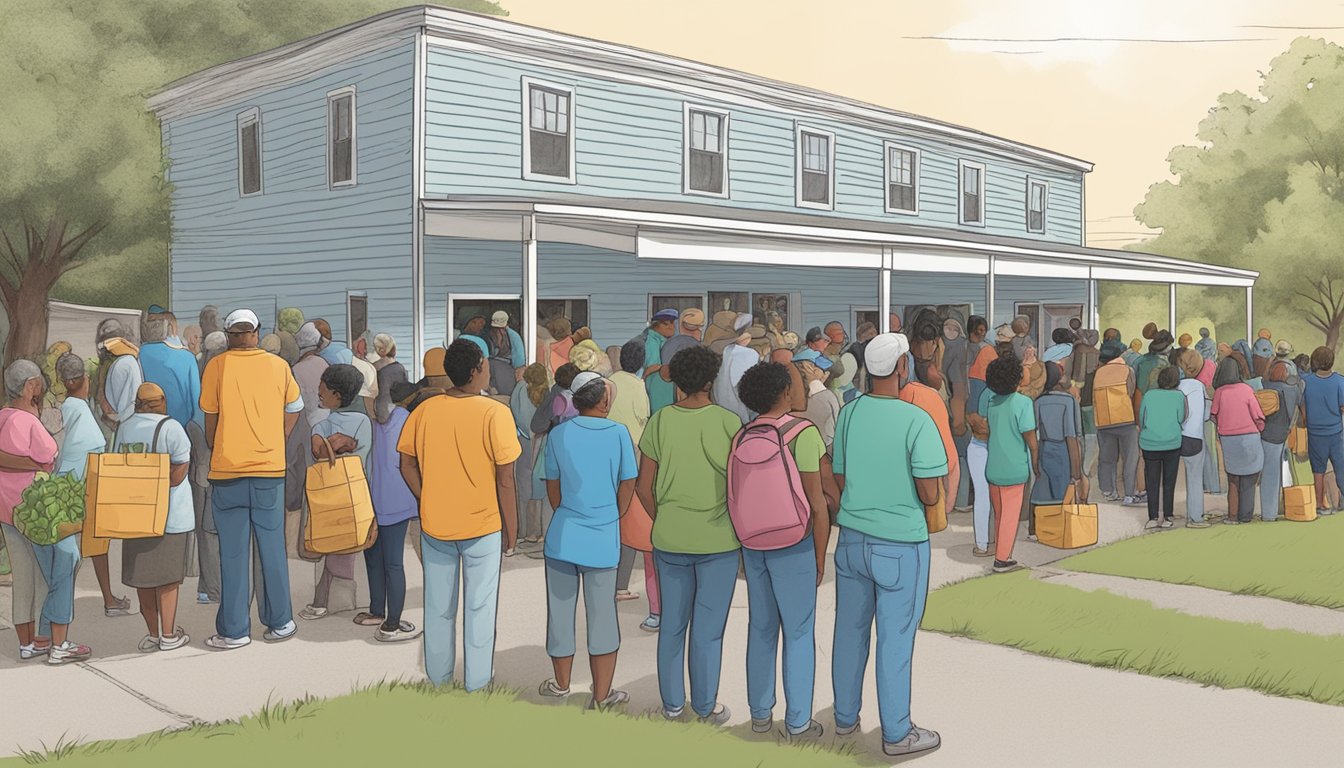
[(464, 308)]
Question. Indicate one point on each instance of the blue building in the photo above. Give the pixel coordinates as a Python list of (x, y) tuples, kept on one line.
[(424, 166)]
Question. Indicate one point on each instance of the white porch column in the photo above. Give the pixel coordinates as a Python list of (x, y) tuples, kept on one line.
[(529, 287), (884, 292), (1250, 313), (1171, 309), (989, 298), (418, 291), (1093, 311)]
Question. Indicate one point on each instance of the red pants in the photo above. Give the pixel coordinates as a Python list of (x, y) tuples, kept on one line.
[(1007, 503)]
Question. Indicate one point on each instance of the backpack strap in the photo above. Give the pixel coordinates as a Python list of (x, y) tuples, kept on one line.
[(790, 430), (154, 441)]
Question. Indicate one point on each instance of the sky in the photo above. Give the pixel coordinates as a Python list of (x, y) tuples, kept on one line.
[(1116, 82)]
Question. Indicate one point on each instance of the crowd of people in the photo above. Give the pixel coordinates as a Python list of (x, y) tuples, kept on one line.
[(708, 447)]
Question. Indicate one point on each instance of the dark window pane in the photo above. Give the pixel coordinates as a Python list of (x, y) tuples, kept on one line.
[(1036, 221), (816, 187), (550, 154), (251, 159), (706, 171), (902, 197), (340, 162), (970, 207)]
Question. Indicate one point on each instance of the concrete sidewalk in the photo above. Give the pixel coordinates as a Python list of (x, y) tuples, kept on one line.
[(993, 705)]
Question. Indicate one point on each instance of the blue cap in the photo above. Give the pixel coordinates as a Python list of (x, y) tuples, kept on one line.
[(155, 309), (666, 314), (809, 355), (485, 348)]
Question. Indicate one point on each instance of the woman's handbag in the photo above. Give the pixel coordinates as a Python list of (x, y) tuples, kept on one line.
[(340, 518)]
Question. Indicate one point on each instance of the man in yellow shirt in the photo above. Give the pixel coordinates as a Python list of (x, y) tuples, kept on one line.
[(251, 403), (457, 454)]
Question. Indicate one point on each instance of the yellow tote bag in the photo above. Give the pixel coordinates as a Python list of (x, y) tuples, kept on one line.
[(1068, 525), (126, 495), (340, 510), (936, 515)]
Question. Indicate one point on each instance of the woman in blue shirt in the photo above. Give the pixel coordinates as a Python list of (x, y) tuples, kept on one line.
[(590, 480)]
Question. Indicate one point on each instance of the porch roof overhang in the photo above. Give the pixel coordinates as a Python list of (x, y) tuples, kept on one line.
[(706, 233)]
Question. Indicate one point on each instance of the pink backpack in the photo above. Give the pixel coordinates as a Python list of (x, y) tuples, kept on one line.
[(766, 500)]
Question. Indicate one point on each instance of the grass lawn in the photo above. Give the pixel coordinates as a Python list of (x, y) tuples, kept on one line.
[(1299, 562), (1106, 630), (414, 724)]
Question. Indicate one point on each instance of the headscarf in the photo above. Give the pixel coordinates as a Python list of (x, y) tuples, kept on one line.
[(271, 344), (1110, 350), (1228, 372), (1191, 363), (149, 398), (590, 357)]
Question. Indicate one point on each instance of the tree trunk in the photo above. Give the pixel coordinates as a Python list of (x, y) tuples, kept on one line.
[(1332, 333), (27, 337)]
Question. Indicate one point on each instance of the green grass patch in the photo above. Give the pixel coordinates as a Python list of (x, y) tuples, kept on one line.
[(1105, 630), (1299, 562), (417, 724)]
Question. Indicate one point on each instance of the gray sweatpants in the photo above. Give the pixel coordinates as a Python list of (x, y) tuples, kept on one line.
[(1271, 480), (562, 605), (1116, 445)]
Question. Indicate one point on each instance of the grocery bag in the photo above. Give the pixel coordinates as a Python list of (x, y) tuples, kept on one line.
[(1299, 503), (340, 517), (935, 515), (126, 492), (1067, 525)]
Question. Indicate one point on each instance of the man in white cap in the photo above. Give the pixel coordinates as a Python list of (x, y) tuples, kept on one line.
[(737, 358), (251, 403), (507, 357), (889, 462)]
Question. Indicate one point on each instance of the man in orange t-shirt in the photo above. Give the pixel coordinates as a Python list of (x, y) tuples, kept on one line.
[(457, 454)]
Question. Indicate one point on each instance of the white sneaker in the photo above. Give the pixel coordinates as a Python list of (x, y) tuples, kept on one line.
[(32, 651), (178, 640), (281, 634), (68, 652), (221, 643)]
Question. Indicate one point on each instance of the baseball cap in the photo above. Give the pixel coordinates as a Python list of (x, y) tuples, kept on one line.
[(812, 356), (155, 309), (666, 314), (884, 352), (478, 341), (1284, 348), (499, 319), (693, 317), (1003, 333), (241, 317), (582, 380)]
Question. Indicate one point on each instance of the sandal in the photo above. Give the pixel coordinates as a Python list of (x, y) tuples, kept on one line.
[(366, 619)]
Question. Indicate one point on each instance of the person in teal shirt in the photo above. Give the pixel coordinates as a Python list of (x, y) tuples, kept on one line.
[(889, 463), (662, 327), (1013, 453), (1161, 415)]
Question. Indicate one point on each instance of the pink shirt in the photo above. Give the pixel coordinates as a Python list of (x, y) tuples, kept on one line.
[(1206, 373), (21, 434), (1236, 411)]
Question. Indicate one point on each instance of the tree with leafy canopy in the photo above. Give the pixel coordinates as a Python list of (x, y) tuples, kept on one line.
[(83, 200), (1265, 190)]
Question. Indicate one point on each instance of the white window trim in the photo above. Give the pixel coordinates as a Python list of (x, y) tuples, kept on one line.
[(245, 118), (354, 137), (961, 197), (798, 131), (528, 83), (1045, 205), (687, 109), (887, 147)]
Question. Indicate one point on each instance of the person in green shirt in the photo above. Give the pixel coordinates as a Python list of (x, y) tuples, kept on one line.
[(662, 327), (683, 484), (1013, 452), (1161, 415), (889, 463), (782, 583)]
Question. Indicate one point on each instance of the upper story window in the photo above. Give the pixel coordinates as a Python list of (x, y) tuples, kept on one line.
[(249, 152), (1038, 196), (706, 158), (341, 137), (972, 193), (902, 179), (548, 132), (815, 166)]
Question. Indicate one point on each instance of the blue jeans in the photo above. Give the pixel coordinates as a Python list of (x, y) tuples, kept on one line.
[(1271, 478), (58, 563), (782, 595), (889, 580), (469, 566), (697, 591), (385, 563), (245, 507)]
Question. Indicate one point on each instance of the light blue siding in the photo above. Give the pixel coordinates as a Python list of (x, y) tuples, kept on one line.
[(300, 243), (628, 143), (462, 266), (1008, 290)]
